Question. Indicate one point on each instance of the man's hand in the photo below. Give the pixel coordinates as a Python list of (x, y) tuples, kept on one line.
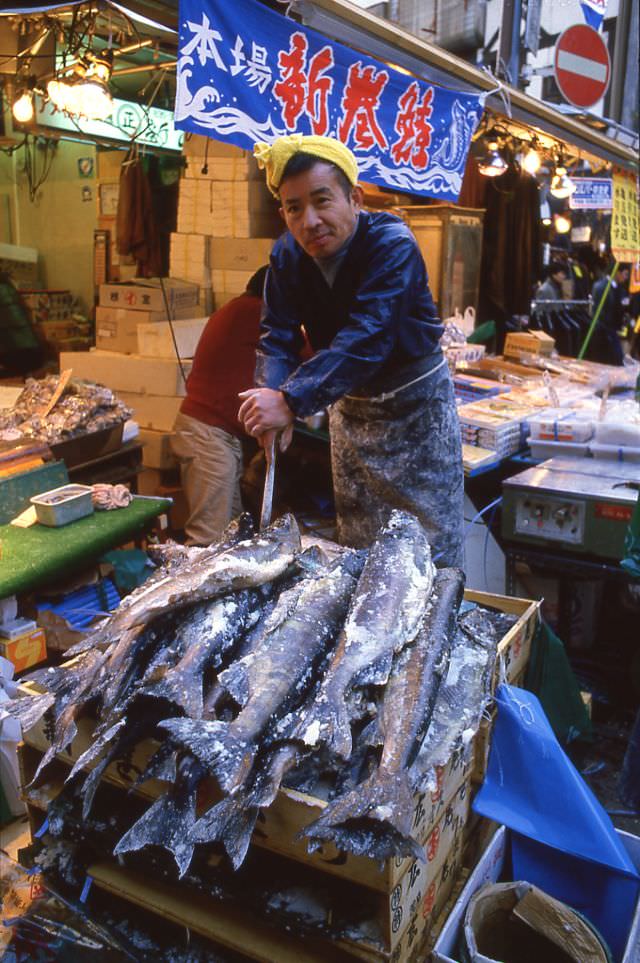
[(263, 410)]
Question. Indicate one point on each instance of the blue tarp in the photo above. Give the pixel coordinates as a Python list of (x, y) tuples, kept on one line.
[(563, 840)]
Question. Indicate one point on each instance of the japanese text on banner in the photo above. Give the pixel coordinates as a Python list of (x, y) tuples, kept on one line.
[(247, 74)]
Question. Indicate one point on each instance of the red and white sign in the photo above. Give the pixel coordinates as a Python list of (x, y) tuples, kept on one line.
[(581, 65)]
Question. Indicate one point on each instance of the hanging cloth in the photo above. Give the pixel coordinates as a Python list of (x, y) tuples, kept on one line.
[(136, 226)]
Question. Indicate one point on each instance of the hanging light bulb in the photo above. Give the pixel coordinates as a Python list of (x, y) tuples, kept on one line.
[(59, 93), (562, 224), (23, 110), (545, 213), (561, 184), (532, 160), (94, 100), (493, 163)]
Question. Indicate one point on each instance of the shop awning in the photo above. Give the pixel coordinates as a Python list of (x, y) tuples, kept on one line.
[(385, 40)]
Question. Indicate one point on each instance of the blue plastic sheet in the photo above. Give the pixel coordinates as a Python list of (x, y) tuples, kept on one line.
[(563, 840)]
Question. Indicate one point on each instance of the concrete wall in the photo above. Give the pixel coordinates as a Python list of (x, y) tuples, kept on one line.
[(59, 221)]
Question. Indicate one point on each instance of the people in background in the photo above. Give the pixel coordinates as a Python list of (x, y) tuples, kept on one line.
[(356, 282), (551, 289), (606, 346), (207, 433)]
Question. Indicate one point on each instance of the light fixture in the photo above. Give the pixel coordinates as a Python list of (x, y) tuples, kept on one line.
[(23, 110), (545, 213), (561, 184), (492, 164), (531, 161), (92, 99), (562, 224)]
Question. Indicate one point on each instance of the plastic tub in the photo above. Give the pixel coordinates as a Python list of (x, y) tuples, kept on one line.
[(550, 449), (63, 505), (615, 452), (618, 434)]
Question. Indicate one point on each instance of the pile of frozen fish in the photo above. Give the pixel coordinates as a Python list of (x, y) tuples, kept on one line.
[(83, 407), (255, 663)]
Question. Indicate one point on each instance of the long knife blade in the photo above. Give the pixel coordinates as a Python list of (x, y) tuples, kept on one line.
[(267, 498)]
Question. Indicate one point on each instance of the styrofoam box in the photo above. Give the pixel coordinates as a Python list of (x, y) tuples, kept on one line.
[(610, 432), (551, 449), (155, 340), (488, 871), (614, 452), (559, 425)]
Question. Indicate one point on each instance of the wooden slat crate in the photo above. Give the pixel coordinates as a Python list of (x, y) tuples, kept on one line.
[(409, 893)]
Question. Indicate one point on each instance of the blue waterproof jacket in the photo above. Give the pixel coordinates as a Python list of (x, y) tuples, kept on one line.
[(378, 317)]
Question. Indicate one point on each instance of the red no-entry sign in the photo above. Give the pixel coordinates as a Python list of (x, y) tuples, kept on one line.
[(581, 65)]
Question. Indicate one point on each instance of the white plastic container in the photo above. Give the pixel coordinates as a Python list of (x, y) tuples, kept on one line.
[(551, 449), (618, 433), (615, 453), (561, 425), (63, 505)]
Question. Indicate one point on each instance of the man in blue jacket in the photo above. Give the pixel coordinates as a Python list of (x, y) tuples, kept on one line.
[(357, 284)]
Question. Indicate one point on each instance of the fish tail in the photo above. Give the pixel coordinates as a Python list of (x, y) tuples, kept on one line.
[(233, 760), (167, 823), (380, 807), (231, 822)]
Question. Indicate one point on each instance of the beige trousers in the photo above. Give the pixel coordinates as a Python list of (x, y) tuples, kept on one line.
[(210, 469)]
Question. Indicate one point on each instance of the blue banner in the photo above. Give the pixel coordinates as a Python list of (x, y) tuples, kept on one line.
[(593, 12), (247, 74)]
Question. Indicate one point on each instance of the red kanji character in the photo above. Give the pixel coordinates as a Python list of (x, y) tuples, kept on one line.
[(360, 102), (318, 91), (432, 844), (413, 127), (291, 89), (429, 900)]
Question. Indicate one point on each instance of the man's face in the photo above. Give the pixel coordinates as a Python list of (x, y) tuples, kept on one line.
[(559, 277), (317, 212)]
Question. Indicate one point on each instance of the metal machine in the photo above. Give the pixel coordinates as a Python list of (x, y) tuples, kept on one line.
[(575, 505)]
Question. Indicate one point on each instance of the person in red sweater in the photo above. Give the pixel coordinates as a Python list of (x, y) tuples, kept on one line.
[(207, 434)]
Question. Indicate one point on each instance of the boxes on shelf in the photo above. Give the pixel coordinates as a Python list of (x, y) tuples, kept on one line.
[(519, 344), (48, 305), (157, 341), (146, 294), (26, 650), (212, 168), (21, 264), (157, 449), (196, 145), (128, 372)]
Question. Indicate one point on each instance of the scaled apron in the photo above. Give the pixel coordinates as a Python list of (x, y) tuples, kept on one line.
[(400, 450)]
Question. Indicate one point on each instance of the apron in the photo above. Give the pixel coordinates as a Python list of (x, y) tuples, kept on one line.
[(401, 450)]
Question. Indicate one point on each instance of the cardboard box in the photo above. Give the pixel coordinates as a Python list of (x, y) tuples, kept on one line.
[(146, 294), (196, 145), (128, 372), (223, 168), (27, 650), (111, 314), (152, 411), (489, 869), (157, 449), (156, 340), (233, 282), (227, 209), (518, 344)]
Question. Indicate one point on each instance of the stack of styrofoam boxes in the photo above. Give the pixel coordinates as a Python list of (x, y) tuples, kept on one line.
[(227, 220), (142, 368)]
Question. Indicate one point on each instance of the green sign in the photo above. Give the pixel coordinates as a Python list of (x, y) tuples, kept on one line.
[(129, 121)]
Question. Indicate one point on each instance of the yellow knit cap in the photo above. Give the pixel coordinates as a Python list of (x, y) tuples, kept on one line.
[(275, 157)]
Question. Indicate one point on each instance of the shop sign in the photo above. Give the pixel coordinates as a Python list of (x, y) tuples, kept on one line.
[(592, 194), (581, 65), (625, 230), (152, 126), (247, 73)]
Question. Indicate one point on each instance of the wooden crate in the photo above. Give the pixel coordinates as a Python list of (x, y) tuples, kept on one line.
[(409, 894)]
